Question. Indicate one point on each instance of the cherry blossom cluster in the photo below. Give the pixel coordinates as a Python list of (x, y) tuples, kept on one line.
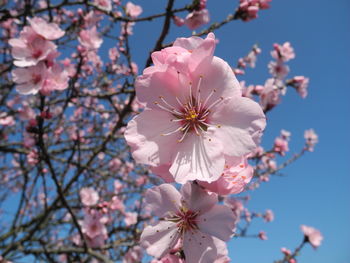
[(35, 54), (100, 163), (269, 94), (196, 18), (248, 9)]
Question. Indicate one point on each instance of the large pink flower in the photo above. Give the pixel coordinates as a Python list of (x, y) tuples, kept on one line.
[(195, 114), (193, 217)]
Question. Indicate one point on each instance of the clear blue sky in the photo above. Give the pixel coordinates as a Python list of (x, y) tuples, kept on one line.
[(315, 191)]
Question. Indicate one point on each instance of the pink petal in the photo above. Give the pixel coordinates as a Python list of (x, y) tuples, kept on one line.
[(163, 199), (201, 248), (203, 53), (144, 135), (160, 238), (198, 157), (216, 76), (163, 82), (218, 215), (241, 122), (197, 199)]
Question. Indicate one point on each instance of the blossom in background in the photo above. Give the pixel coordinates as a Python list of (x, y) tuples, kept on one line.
[(262, 235), (280, 146), (195, 114), (133, 10), (312, 235), (196, 19), (90, 38), (191, 216), (89, 196), (311, 139), (269, 216), (283, 52), (278, 69), (104, 4), (270, 95), (248, 9), (300, 83)]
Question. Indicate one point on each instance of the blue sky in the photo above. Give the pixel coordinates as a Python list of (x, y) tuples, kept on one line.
[(315, 190)]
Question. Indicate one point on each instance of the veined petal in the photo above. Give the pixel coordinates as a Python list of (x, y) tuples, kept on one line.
[(216, 75), (159, 239), (219, 215), (163, 199), (241, 121), (201, 248), (163, 81), (144, 135), (198, 157), (197, 199)]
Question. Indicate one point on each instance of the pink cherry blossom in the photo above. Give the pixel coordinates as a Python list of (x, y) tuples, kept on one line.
[(49, 31), (285, 135), (89, 196), (116, 204), (93, 225), (262, 235), (194, 106), (6, 120), (133, 10), (281, 146), (269, 216), (196, 19), (30, 80), (278, 69), (270, 96), (237, 174), (178, 21), (311, 139), (286, 251), (133, 255), (248, 9), (300, 83), (104, 4), (191, 216), (130, 218), (283, 52), (30, 48), (312, 235), (90, 38), (56, 79)]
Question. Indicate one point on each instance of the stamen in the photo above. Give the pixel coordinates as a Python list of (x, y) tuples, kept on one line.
[(198, 99), (191, 99), (171, 106), (209, 96), (172, 132), (184, 135)]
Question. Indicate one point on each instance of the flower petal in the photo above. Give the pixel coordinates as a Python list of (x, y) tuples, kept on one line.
[(240, 123), (163, 199), (197, 199), (218, 222), (198, 157), (159, 239), (201, 248), (144, 135)]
